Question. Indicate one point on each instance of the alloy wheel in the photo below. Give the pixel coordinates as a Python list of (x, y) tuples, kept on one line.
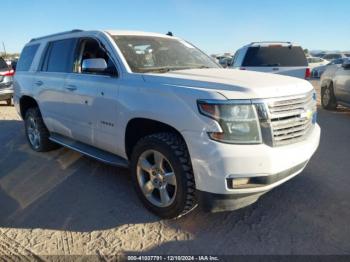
[(326, 96), (33, 132), (156, 178)]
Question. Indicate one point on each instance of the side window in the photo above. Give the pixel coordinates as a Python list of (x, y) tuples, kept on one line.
[(26, 58), (59, 56), (89, 48)]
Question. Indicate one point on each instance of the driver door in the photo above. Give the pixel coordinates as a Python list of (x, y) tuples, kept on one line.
[(94, 97)]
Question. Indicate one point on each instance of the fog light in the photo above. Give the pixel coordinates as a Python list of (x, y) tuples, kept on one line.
[(238, 182)]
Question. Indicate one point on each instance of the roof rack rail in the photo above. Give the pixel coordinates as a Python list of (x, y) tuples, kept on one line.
[(286, 42), (57, 34)]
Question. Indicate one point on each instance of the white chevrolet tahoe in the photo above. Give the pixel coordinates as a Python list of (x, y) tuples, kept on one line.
[(190, 132)]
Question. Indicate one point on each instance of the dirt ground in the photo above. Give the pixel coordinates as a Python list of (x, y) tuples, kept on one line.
[(63, 203)]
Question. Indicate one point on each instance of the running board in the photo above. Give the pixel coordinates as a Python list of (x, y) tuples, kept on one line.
[(90, 151)]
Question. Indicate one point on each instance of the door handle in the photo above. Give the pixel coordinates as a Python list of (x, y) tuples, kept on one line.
[(39, 83), (71, 87)]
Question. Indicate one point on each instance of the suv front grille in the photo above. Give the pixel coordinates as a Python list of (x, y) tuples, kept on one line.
[(291, 118)]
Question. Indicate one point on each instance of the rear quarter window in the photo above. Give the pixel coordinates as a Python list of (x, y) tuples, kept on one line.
[(26, 57), (284, 56)]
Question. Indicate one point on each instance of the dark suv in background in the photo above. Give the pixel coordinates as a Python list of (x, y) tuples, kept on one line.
[(6, 77)]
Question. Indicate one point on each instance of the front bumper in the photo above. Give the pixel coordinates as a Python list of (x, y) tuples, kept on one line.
[(211, 202), (213, 163), (222, 202)]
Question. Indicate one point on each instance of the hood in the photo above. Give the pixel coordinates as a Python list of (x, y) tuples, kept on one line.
[(233, 83)]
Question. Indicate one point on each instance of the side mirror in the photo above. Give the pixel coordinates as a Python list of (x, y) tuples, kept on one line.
[(94, 65), (346, 64)]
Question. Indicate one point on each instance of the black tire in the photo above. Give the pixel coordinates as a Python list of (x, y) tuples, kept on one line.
[(44, 144), (328, 99), (9, 102), (175, 151)]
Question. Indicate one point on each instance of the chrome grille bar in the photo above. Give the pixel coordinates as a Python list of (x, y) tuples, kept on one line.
[(290, 118)]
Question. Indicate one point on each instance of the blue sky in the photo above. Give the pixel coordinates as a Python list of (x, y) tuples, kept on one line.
[(214, 26)]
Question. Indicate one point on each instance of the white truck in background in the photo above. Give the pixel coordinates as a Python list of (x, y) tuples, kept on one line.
[(283, 58)]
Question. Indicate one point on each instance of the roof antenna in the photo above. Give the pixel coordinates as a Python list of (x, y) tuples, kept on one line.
[(170, 33)]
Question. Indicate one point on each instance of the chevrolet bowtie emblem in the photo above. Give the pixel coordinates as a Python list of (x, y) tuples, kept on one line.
[(306, 114)]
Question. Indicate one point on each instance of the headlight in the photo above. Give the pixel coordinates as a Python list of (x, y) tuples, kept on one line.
[(238, 120)]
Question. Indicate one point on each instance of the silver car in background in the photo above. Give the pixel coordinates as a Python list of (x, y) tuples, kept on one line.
[(335, 86), (6, 80), (319, 70)]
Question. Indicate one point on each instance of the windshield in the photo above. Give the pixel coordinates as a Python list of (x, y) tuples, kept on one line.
[(159, 54)]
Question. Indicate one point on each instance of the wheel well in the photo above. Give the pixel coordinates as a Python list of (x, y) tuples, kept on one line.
[(326, 83), (25, 103), (138, 128)]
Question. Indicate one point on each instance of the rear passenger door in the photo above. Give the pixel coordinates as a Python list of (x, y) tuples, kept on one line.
[(50, 82)]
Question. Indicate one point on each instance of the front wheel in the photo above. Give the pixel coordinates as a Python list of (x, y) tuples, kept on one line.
[(162, 175), (328, 99)]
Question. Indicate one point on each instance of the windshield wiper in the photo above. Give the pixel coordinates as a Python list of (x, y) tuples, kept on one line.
[(161, 69), (154, 70), (202, 67), (168, 69)]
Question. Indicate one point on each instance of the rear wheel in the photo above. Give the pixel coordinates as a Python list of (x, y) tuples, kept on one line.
[(328, 99), (163, 176), (36, 131)]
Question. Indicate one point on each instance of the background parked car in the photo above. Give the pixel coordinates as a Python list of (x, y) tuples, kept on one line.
[(6, 77), (283, 58), (226, 61), (318, 54), (332, 56), (319, 70), (316, 61), (335, 86)]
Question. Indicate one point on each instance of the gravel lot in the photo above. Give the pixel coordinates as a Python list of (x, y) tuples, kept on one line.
[(63, 203)]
